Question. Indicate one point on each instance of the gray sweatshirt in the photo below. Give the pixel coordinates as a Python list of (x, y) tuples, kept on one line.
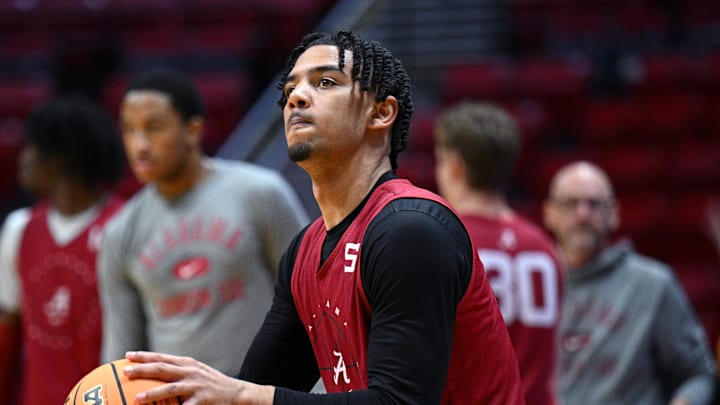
[(629, 336), (194, 276)]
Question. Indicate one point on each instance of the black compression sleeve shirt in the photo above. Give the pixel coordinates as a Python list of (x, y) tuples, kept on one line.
[(417, 262)]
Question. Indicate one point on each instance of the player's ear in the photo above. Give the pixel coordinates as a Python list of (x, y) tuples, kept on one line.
[(614, 216), (456, 165), (384, 113), (195, 127)]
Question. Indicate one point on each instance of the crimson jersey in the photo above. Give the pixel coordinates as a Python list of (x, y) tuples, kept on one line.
[(522, 266), (331, 303), (60, 309)]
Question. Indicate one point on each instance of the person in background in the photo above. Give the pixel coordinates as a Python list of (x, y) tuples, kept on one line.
[(628, 334), (383, 296), (48, 282), (188, 266), (476, 147)]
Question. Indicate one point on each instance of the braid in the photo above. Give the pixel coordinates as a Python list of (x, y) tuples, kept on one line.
[(372, 75), (375, 68)]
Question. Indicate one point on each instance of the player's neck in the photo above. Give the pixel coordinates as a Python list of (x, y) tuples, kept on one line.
[(340, 192), (572, 259), (71, 197), (193, 172), (488, 204)]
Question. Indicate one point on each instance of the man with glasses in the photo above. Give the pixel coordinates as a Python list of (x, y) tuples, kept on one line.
[(628, 334)]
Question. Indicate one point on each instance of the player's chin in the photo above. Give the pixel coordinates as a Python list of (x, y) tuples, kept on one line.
[(143, 174), (582, 240), (299, 152)]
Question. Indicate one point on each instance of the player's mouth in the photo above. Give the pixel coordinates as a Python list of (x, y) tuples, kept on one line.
[(298, 120), (142, 165)]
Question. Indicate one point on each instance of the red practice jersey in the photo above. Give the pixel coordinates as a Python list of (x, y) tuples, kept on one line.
[(522, 266), (479, 371), (60, 309)]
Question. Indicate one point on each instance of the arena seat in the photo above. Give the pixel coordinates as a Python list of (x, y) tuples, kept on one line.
[(693, 162), (632, 166), (671, 114), (490, 80), (641, 211), (605, 121)]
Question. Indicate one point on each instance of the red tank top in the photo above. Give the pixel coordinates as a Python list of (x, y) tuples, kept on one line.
[(61, 319), (332, 305), (523, 270)]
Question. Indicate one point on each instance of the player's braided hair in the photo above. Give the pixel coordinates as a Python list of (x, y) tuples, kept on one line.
[(374, 67)]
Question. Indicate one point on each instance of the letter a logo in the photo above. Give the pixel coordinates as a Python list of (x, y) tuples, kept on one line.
[(340, 368), (92, 396)]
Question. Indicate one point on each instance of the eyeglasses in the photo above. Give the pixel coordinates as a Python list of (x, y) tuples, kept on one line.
[(572, 203)]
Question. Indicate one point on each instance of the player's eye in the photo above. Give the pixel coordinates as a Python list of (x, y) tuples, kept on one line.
[(325, 82)]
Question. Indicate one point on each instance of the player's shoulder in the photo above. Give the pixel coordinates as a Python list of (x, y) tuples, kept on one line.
[(239, 167), (129, 211), (413, 206), (531, 231), (649, 269), (16, 220), (247, 175), (418, 215)]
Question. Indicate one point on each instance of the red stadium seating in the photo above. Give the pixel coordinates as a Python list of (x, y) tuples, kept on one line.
[(605, 120), (669, 114)]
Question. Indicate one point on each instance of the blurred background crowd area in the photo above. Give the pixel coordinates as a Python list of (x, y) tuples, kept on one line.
[(631, 85)]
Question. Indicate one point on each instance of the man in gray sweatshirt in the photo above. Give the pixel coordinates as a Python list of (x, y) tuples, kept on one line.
[(628, 334)]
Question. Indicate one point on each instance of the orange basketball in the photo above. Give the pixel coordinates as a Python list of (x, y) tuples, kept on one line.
[(108, 385)]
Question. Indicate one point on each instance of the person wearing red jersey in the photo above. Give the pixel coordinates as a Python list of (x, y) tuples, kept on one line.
[(476, 146), (48, 285), (383, 296)]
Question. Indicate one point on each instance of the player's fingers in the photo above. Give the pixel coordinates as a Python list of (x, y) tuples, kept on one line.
[(154, 357), (157, 394), (155, 370)]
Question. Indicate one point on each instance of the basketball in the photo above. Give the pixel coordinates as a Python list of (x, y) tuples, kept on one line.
[(108, 385)]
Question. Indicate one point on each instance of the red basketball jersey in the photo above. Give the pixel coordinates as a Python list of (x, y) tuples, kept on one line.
[(60, 309), (331, 302), (522, 266)]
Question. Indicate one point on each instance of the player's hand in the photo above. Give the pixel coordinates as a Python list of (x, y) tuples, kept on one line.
[(195, 382)]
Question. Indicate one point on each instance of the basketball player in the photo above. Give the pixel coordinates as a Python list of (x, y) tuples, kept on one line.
[(628, 333), (476, 146), (48, 284), (383, 296), (188, 266)]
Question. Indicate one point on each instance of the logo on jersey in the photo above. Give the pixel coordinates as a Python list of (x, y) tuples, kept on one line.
[(340, 369), (58, 307), (191, 268), (508, 240), (338, 362), (351, 256)]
